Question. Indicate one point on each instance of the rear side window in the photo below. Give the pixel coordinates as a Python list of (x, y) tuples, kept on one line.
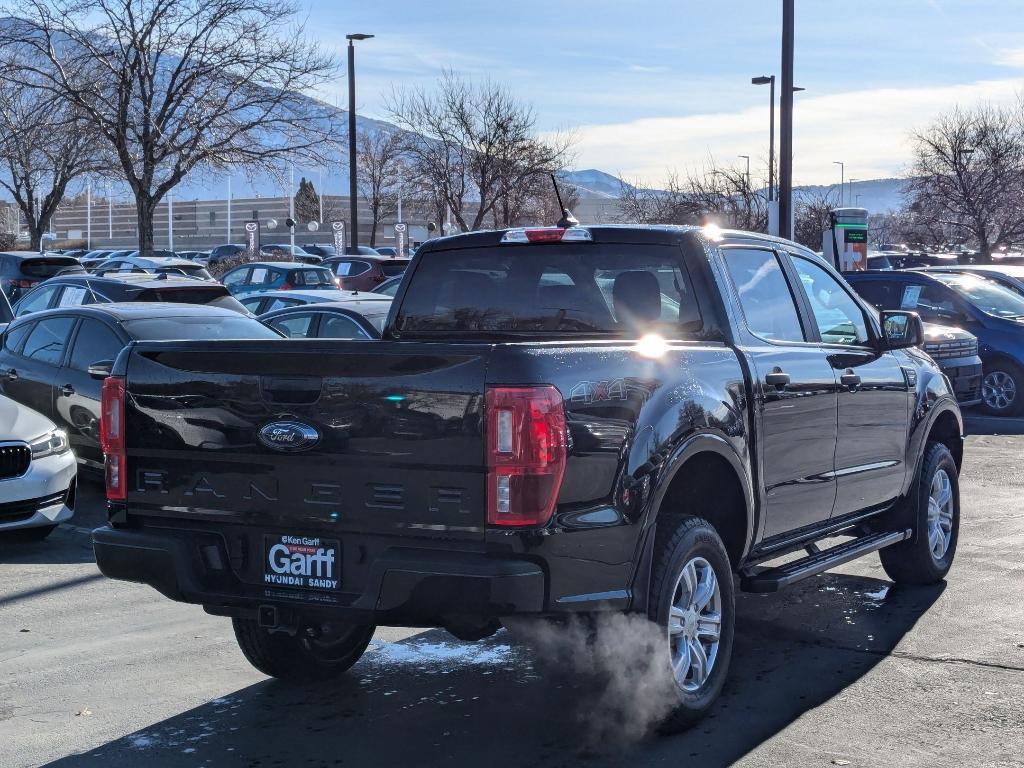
[(14, 337), (48, 340), (351, 268), (564, 288), (37, 300), (340, 327), (294, 326), (393, 268), (314, 277), (187, 328), (764, 294)]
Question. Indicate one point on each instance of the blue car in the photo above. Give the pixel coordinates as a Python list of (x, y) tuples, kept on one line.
[(278, 276), (990, 311)]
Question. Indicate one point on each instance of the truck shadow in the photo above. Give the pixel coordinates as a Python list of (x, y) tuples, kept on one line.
[(431, 700)]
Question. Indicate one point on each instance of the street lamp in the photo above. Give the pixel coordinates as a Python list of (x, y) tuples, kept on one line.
[(850, 182), (747, 158), (353, 197), (842, 180), (769, 80)]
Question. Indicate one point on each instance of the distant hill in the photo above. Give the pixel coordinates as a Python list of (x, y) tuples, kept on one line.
[(877, 195)]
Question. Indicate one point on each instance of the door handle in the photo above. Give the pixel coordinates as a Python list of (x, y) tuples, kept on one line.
[(777, 379), (850, 379), (12, 375), (67, 390)]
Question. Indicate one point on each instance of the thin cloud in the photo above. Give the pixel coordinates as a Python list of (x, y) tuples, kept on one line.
[(868, 129)]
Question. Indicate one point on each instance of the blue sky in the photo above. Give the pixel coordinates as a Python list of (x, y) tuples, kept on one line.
[(649, 87)]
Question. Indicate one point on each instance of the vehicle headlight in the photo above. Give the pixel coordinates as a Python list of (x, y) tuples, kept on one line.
[(50, 444)]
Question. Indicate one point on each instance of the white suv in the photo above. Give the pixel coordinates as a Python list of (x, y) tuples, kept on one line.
[(37, 473)]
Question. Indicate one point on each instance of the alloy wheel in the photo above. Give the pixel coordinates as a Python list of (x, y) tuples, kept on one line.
[(940, 514), (694, 624), (998, 390)]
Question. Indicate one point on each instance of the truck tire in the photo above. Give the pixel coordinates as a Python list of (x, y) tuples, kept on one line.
[(926, 557), (693, 600), (1002, 388), (299, 658)]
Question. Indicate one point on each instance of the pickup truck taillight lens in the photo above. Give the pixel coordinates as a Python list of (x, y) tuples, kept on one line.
[(112, 438), (525, 454)]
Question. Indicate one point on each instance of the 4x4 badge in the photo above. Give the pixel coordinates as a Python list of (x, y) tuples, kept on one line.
[(288, 436)]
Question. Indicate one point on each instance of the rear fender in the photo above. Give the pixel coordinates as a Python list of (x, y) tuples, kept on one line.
[(661, 480)]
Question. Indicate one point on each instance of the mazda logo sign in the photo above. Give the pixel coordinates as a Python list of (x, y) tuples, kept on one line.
[(289, 436)]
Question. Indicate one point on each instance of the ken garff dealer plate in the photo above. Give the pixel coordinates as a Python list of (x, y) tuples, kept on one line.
[(288, 436)]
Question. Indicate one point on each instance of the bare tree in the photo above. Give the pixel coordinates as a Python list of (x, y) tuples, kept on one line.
[(383, 172), (45, 144), (178, 85), (968, 175), (812, 215), (475, 144), (642, 205)]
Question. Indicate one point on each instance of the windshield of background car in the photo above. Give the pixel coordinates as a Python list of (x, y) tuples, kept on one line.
[(988, 296), (184, 328), (559, 289)]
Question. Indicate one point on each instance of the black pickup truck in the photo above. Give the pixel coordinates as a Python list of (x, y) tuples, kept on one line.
[(557, 421)]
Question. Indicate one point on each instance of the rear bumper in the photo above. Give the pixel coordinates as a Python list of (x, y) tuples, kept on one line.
[(402, 586)]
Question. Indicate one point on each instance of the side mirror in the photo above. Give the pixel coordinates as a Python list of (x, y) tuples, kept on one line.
[(901, 329), (102, 369)]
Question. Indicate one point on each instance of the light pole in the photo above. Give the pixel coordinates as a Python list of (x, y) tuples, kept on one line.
[(786, 124), (320, 196), (850, 183), (842, 181), (747, 158), (229, 208), (769, 80), (110, 214), (353, 199)]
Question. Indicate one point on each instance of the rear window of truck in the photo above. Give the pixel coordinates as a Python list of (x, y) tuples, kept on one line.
[(559, 289)]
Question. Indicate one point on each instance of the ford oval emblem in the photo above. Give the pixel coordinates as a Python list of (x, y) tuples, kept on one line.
[(289, 436)]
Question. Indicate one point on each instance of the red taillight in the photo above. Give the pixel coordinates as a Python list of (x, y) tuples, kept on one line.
[(112, 438), (523, 235), (285, 287), (525, 454)]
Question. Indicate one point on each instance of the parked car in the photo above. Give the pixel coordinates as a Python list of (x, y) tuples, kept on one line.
[(77, 290), (278, 251), (74, 253), (157, 265), (277, 275), (387, 251), (92, 258), (389, 287), (194, 255), (321, 249), (517, 446), (364, 273), (54, 361), (262, 302), (224, 252), (37, 473), (992, 313), (21, 272), (956, 352), (359, 317), (1007, 275)]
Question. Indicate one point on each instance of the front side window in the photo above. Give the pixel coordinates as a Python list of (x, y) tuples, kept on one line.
[(764, 294), (839, 317), (14, 337), (235, 276), (95, 343), (48, 339)]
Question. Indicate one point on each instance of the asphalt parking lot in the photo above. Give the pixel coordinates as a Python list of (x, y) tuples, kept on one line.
[(842, 670)]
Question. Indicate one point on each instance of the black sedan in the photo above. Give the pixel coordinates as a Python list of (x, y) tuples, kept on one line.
[(54, 362), (357, 318)]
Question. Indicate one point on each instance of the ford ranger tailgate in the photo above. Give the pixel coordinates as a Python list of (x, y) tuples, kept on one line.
[(381, 437)]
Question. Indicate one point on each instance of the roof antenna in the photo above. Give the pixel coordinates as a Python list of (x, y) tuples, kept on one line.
[(567, 220)]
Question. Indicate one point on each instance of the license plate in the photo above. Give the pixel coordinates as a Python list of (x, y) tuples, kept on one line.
[(301, 562)]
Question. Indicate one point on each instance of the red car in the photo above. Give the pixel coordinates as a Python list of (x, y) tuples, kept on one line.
[(364, 273)]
